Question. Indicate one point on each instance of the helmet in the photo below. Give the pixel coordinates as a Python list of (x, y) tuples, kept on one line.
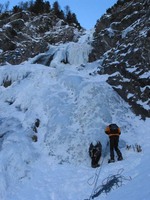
[(94, 143)]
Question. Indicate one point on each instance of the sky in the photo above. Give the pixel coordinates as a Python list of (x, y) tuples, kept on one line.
[(87, 11), (74, 104)]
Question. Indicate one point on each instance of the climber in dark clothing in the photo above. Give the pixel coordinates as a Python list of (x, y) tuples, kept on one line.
[(113, 131), (95, 151)]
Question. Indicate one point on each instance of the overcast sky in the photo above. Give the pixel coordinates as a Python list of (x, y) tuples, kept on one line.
[(87, 11)]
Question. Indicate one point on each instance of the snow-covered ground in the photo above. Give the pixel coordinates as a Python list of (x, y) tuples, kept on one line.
[(73, 105)]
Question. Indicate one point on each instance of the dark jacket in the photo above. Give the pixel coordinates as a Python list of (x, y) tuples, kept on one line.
[(95, 151)]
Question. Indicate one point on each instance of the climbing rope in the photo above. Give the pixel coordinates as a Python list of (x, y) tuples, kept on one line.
[(97, 174), (111, 182), (108, 184)]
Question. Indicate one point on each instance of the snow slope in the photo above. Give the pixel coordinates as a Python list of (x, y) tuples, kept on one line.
[(73, 105)]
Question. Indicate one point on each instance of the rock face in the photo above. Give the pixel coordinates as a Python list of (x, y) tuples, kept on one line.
[(24, 35), (122, 43)]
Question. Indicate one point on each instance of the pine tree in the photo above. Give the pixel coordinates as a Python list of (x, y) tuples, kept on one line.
[(68, 15), (74, 19), (57, 11), (16, 9), (47, 7), (56, 8), (38, 7), (71, 17)]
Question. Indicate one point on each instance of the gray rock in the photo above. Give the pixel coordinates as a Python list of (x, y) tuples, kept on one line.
[(122, 41)]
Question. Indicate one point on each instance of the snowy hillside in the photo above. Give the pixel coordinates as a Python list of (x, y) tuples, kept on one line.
[(72, 105)]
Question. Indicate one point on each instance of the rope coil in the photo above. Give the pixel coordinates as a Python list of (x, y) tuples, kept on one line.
[(109, 183)]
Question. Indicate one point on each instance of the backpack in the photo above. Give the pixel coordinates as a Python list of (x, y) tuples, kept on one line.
[(95, 149), (113, 128)]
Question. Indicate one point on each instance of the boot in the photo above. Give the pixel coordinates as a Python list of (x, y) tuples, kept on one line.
[(96, 165), (111, 160), (120, 158)]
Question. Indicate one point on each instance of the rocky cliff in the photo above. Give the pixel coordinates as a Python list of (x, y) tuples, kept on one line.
[(24, 35), (122, 43)]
